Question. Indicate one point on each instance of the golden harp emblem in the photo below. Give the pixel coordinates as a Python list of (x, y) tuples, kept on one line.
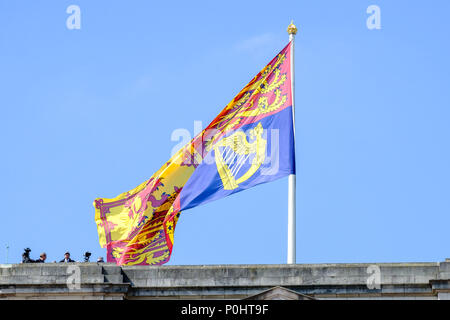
[(236, 151)]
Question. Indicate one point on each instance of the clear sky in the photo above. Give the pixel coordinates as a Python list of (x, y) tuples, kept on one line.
[(89, 113)]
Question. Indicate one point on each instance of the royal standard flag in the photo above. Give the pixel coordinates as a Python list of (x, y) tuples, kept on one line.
[(250, 142)]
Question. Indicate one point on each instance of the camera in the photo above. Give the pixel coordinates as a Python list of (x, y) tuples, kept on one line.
[(87, 255), (26, 256)]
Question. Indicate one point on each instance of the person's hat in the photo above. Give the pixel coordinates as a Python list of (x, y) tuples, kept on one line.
[(67, 252)]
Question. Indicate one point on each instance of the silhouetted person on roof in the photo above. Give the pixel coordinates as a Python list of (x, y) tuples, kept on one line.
[(67, 258), (42, 258)]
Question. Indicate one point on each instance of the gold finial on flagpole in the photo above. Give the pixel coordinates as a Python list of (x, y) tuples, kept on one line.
[(292, 29)]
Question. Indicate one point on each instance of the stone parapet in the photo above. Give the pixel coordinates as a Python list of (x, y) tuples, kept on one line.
[(427, 280)]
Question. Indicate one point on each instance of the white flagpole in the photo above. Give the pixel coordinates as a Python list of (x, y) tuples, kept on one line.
[(291, 259)]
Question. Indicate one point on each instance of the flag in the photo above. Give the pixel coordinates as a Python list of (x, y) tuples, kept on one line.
[(250, 142)]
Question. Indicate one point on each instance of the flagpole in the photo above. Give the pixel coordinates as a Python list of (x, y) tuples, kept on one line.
[(291, 250)]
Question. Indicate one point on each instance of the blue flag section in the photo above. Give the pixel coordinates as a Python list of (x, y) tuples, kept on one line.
[(256, 153)]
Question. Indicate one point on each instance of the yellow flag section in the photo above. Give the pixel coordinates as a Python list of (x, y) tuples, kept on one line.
[(137, 226)]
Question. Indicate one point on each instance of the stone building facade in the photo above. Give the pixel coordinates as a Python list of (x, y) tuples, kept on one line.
[(255, 282)]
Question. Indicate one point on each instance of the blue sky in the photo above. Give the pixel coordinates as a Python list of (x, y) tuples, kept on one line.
[(89, 113)]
